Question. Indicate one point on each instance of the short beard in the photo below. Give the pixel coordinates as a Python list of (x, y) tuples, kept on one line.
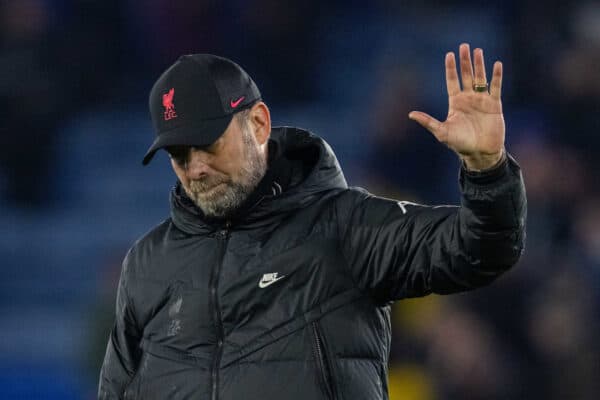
[(225, 200)]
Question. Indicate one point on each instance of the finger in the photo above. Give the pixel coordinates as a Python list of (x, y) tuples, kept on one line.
[(480, 78), (428, 122), (466, 68), (496, 84), (452, 83)]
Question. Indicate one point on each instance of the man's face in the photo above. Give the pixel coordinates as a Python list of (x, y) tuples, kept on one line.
[(219, 177)]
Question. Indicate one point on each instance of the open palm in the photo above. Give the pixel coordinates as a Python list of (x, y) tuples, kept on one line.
[(474, 127)]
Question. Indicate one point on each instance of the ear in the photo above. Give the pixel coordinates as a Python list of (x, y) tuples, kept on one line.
[(260, 120)]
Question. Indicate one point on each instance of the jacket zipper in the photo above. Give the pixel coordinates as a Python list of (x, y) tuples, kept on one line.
[(222, 236), (322, 365)]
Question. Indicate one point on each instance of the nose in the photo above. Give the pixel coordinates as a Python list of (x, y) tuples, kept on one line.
[(197, 164)]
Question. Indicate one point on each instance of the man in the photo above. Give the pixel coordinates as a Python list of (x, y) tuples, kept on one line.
[(272, 279)]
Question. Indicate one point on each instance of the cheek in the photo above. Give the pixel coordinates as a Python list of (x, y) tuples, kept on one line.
[(232, 162)]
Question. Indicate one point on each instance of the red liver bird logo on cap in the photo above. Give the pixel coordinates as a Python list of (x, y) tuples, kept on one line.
[(167, 101)]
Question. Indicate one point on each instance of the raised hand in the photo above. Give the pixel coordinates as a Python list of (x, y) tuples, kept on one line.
[(474, 127)]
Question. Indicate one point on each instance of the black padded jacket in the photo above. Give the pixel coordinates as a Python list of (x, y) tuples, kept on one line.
[(291, 298)]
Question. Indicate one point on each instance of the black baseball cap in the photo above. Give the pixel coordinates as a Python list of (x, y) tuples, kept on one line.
[(194, 100)]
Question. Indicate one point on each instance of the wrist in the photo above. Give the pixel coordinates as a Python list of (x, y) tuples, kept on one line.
[(483, 162)]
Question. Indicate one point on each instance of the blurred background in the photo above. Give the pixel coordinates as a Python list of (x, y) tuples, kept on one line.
[(74, 125)]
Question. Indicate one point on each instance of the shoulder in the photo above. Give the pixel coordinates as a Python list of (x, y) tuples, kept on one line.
[(349, 198), (340, 206), (142, 249)]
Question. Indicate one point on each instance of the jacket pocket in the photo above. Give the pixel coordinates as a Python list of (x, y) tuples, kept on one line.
[(324, 370)]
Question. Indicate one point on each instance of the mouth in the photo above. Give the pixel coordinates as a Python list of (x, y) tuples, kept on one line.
[(209, 189)]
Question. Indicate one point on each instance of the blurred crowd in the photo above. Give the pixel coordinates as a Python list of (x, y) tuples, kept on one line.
[(74, 80)]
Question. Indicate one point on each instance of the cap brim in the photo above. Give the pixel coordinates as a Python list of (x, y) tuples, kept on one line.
[(199, 135)]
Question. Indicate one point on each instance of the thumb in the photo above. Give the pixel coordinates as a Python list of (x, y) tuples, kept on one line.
[(428, 122)]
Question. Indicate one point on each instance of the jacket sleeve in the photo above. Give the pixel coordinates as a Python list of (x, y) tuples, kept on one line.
[(398, 249), (123, 352)]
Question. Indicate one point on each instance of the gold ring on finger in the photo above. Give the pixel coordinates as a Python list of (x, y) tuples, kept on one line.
[(480, 87)]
